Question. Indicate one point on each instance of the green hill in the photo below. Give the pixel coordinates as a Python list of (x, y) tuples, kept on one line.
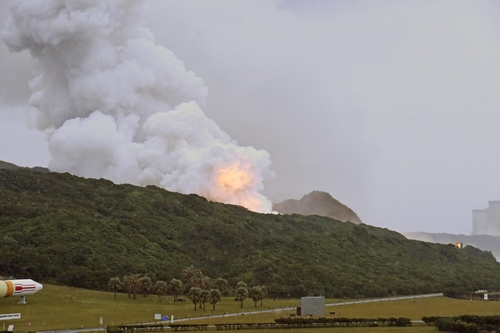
[(62, 229), (483, 242)]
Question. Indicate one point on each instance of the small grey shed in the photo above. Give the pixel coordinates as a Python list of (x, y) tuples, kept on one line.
[(312, 306)]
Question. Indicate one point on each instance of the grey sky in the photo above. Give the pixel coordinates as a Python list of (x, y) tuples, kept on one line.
[(390, 106)]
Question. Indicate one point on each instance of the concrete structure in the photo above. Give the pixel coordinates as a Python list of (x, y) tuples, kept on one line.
[(312, 306), (487, 221)]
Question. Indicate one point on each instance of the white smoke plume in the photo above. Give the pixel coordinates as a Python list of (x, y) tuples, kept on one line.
[(118, 106)]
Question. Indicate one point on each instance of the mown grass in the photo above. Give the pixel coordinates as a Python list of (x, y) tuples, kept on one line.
[(57, 307), (418, 308)]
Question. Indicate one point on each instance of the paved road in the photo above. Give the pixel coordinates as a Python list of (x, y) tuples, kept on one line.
[(76, 330), (385, 299)]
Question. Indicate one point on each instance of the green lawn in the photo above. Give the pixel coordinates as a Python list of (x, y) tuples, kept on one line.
[(58, 307), (418, 308)]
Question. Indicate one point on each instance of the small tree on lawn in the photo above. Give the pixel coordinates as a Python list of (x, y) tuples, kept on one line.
[(241, 294), (175, 287), (221, 284), (132, 283), (215, 297), (146, 285), (204, 297), (256, 294), (160, 288), (194, 295), (115, 284)]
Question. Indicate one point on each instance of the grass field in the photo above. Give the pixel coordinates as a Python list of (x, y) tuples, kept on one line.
[(58, 307)]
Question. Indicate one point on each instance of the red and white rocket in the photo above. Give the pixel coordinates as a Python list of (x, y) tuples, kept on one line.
[(21, 288)]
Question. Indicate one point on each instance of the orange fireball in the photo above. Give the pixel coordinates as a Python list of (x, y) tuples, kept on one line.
[(235, 184), (233, 178)]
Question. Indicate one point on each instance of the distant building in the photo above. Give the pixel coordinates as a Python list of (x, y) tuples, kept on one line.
[(487, 221)]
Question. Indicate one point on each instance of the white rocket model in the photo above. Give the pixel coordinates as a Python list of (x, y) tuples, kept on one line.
[(21, 288)]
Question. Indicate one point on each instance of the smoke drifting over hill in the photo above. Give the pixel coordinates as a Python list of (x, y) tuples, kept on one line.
[(118, 106), (391, 107)]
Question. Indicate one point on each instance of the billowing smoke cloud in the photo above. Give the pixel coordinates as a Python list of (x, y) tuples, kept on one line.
[(118, 106)]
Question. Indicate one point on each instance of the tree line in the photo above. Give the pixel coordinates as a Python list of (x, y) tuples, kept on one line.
[(343, 322), (198, 287), (465, 323), (280, 323)]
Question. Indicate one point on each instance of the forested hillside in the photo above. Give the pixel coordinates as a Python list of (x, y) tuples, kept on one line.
[(484, 242), (59, 228)]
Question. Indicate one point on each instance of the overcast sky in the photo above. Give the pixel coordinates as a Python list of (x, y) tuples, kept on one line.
[(389, 106)]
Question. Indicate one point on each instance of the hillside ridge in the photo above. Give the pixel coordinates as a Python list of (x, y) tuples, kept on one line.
[(483, 242), (318, 203), (63, 229), (12, 166)]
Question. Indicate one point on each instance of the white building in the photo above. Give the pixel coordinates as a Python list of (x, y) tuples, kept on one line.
[(487, 221)]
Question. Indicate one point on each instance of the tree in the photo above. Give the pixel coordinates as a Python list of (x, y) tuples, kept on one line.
[(146, 285), (275, 289), (188, 273), (132, 283), (215, 297), (241, 294), (199, 280), (221, 284), (241, 284), (175, 287), (160, 288), (194, 294), (115, 284), (204, 298), (256, 294)]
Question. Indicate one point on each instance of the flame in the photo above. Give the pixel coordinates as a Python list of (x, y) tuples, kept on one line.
[(237, 182), (253, 203), (235, 177)]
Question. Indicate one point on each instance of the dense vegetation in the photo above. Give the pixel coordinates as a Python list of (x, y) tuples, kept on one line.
[(63, 229), (465, 323), (281, 323), (484, 242), (343, 322)]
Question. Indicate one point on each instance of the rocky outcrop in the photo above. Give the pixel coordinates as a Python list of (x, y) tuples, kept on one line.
[(318, 203)]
